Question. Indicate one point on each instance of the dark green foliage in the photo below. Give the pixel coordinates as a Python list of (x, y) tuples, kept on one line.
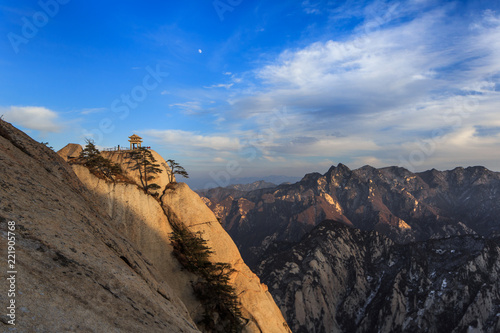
[(190, 249), (219, 297), (98, 165), (176, 169), (47, 144), (144, 162), (222, 309)]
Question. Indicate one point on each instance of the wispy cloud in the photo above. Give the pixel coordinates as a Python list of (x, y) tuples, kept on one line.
[(402, 80), (220, 85), (193, 140), (188, 108), (310, 8), (383, 88), (92, 110), (33, 117)]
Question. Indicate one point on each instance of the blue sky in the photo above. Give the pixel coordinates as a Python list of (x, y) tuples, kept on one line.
[(239, 88)]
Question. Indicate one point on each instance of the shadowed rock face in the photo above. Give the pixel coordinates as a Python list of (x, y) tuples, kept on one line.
[(146, 222), (76, 273), (341, 279), (96, 256), (403, 205)]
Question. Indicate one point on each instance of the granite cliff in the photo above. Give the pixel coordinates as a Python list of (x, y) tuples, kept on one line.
[(95, 256), (342, 279)]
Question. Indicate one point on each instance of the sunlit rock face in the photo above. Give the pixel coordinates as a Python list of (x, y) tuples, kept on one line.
[(340, 279), (403, 205), (76, 271), (123, 158), (95, 256), (147, 223), (185, 206)]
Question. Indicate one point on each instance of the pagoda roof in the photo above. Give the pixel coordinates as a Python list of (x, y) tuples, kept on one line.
[(135, 137)]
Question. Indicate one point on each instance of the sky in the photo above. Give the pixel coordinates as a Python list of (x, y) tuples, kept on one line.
[(241, 89)]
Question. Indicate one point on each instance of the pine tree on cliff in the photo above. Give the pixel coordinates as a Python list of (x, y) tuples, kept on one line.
[(176, 169), (98, 165), (222, 307), (144, 162)]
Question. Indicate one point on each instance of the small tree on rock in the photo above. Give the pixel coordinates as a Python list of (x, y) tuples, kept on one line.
[(144, 162), (98, 165), (213, 288), (176, 169)]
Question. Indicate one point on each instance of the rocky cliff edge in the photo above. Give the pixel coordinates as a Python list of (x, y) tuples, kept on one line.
[(93, 256)]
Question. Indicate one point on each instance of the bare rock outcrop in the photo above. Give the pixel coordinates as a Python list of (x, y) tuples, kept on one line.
[(123, 159), (146, 223), (70, 151), (184, 205), (75, 271)]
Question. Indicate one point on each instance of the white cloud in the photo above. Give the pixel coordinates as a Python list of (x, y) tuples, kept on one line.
[(220, 85), (189, 108), (234, 80), (92, 110), (384, 90), (401, 81), (387, 68), (33, 117), (192, 140)]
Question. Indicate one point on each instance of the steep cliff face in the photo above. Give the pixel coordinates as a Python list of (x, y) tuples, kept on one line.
[(341, 279), (402, 205), (75, 271), (140, 218), (180, 202), (96, 257), (146, 223)]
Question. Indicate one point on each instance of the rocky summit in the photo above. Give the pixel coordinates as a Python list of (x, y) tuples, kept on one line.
[(96, 256)]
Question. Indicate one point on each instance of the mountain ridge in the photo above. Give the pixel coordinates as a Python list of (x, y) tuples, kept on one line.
[(403, 205)]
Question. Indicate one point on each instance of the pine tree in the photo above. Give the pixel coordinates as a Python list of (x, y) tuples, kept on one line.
[(176, 169), (90, 152), (222, 310), (144, 162), (98, 165)]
